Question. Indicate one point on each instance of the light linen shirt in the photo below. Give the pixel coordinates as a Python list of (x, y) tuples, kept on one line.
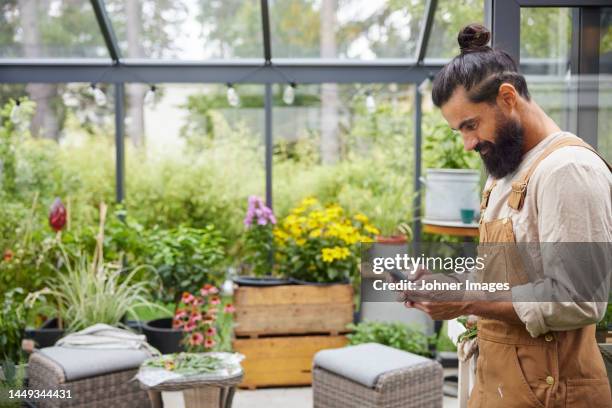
[(569, 199)]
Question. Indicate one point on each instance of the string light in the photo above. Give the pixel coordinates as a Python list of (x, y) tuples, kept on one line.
[(15, 115), (232, 96), (98, 95), (370, 102), (149, 98), (289, 93), (425, 85)]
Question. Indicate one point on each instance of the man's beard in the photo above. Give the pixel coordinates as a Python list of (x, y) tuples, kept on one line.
[(505, 155)]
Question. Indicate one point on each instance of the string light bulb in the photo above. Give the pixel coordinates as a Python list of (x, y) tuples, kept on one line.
[(98, 95), (424, 86), (15, 115), (289, 93), (149, 98), (370, 102), (232, 96)]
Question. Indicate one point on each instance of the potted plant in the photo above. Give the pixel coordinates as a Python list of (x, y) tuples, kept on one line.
[(90, 291), (185, 259), (317, 248), (452, 179), (259, 223)]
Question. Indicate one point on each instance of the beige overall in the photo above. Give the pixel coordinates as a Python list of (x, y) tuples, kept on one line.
[(558, 369)]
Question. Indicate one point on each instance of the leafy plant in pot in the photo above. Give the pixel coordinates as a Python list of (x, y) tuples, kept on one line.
[(185, 259), (452, 177)]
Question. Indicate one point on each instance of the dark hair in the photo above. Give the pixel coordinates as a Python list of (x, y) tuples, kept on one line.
[(479, 68)]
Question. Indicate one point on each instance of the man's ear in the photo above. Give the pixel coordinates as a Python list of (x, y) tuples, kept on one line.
[(507, 97)]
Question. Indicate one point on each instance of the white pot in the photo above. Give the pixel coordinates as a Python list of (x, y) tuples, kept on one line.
[(448, 191)]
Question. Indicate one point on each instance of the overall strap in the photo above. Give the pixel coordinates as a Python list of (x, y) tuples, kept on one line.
[(519, 188)]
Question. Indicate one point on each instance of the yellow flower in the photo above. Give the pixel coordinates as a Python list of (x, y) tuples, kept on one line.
[(371, 229), (328, 255), (315, 233), (341, 252), (362, 218), (300, 241)]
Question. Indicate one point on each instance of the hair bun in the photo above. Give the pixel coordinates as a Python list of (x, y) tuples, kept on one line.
[(473, 37)]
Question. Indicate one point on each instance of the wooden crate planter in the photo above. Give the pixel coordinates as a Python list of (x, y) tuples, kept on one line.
[(281, 361), (293, 309)]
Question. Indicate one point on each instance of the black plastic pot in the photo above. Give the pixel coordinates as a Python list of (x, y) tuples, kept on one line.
[(303, 282), (46, 335), (260, 281), (162, 336)]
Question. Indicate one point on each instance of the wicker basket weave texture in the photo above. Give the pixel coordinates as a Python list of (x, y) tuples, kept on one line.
[(116, 390), (418, 386)]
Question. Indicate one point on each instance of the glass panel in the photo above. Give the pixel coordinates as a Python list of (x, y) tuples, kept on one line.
[(449, 18), (546, 38), (350, 29), (347, 144), (50, 29), (192, 158), (188, 29)]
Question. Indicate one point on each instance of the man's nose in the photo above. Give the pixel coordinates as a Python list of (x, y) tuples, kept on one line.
[(469, 142)]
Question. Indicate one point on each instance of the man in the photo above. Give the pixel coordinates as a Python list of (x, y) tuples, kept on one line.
[(544, 186)]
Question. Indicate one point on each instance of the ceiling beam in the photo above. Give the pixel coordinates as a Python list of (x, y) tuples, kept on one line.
[(107, 31)]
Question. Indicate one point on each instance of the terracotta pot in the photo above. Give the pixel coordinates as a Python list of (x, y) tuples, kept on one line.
[(391, 239)]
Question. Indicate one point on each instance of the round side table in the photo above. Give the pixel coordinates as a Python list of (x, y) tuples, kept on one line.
[(198, 391)]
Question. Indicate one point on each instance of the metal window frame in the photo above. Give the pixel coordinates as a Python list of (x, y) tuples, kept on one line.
[(267, 71)]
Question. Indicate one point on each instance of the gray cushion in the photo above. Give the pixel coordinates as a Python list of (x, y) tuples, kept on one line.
[(79, 363), (364, 363)]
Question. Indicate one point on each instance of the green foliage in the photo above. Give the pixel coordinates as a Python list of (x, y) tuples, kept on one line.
[(12, 324), (607, 319), (397, 335), (90, 292), (185, 259), (14, 376), (258, 247), (444, 149)]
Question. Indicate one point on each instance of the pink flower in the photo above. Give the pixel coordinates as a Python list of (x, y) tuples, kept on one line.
[(195, 317), (187, 298), (209, 343), (211, 331), (189, 327), (180, 314), (229, 308), (215, 300), (196, 339)]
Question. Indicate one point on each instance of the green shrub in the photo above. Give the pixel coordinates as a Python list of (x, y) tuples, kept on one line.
[(396, 335), (185, 259)]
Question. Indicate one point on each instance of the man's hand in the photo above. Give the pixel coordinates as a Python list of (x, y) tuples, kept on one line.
[(441, 310)]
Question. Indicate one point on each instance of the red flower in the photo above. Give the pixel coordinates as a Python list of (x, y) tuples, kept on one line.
[(8, 255), (209, 343), (57, 215)]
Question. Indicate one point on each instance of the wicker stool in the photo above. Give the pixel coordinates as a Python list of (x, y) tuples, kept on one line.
[(376, 376), (107, 388)]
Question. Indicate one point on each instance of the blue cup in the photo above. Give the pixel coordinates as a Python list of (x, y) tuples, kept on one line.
[(467, 215)]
